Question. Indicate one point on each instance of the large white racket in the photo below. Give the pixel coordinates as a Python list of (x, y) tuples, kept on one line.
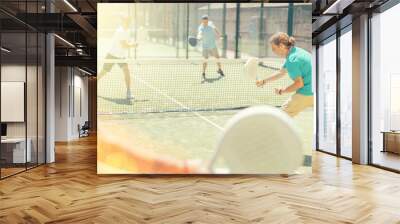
[(251, 68), (259, 140)]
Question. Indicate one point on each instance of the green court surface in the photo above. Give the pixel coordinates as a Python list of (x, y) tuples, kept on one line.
[(178, 114)]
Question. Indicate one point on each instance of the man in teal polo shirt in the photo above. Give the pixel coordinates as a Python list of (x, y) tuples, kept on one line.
[(298, 67)]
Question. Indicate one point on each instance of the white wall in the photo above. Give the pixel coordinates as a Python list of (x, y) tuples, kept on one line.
[(80, 109), (62, 82), (12, 73), (71, 94)]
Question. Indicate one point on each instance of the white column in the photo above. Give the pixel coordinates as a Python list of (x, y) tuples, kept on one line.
[(50, 92), (50, 99), (360, 90)]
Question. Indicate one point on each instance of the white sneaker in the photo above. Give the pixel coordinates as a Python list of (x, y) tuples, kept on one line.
[(129, 95)]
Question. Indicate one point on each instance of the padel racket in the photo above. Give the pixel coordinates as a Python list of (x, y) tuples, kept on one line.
[(259, 140), (251, 68), (252, 65), (193, 41)]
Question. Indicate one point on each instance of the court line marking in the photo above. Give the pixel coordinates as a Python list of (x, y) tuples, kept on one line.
[(179, 103)]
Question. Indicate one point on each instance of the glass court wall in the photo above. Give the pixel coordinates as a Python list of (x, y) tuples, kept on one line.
[(22, 88), (162, 30), (259, 21)]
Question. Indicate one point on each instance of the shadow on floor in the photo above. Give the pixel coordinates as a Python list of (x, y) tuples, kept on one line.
[(121, 101), (211, 80)]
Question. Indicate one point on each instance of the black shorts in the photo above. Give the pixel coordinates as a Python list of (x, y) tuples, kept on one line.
[(108, 66)]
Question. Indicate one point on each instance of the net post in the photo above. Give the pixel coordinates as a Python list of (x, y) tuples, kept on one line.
[(225, 38), (177, 30), (261, 31), (130, 33), (136, 29), (290, 19), (187, 30), (237, 30)]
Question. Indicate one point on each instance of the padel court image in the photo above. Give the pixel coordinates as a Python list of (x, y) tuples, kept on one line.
[(179, 115), (160, 112), (176, 109)]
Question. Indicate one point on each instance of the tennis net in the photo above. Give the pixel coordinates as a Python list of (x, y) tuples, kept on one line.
[(176, 85)]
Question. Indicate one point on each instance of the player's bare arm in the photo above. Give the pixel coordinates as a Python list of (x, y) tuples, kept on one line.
[(199, 35), (277, 75), (297, 84), (218, 33)]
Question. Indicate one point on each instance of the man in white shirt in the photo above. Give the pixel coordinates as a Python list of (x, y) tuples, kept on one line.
[(208, 33), (120, 47)]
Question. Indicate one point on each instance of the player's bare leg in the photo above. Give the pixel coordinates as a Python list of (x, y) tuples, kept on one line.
[(106, 68), (204, 69), (127, 76), (220, 72), (101, 74)]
